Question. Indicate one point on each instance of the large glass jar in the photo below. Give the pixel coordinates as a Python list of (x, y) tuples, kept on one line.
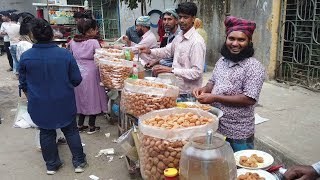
[(207, 157)]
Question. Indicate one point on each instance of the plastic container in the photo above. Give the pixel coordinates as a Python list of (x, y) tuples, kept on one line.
[(207, 157), (114, 72), (141, 96), (135, 72), (168, 78), (160, 148)]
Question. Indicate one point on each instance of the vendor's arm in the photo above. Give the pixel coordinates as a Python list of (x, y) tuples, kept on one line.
[(236, 100), (127, 40), (303, 172), (158, 69), (164, 52), (197, 60), (152, 63), (206, 89)]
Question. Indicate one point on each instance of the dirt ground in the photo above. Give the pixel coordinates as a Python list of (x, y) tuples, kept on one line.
[(19, 159)]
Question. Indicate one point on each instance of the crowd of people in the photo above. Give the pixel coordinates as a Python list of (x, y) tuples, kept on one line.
[(63, 83)]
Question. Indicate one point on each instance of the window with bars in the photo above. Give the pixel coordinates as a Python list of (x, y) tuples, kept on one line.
[(299, 52)]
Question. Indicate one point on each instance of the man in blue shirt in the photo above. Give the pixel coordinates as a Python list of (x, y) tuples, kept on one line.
[(132, 33)]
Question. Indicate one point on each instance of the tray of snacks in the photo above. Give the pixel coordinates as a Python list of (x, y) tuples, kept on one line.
[(249, 174), (253, 159), (205, 107)]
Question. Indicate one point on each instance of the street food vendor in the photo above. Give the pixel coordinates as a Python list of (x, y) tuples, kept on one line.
[(171, 26), (236, 84), (187, 49), (148, 40)]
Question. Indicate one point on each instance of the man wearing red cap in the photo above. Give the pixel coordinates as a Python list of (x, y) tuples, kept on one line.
[(235, 84)]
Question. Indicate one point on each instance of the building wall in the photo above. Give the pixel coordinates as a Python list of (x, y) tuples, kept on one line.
[(212, 14), (264, 12), (127, 16), (259, 11)]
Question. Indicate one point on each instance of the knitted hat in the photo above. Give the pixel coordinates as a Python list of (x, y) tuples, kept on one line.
[(172, 12), (237, 24), (144, 21)]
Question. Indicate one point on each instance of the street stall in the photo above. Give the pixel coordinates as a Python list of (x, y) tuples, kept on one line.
[(60, 17), (161, 137)]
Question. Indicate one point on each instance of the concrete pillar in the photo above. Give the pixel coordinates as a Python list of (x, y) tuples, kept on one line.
[(274, 28)]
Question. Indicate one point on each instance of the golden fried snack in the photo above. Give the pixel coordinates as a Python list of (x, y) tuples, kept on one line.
[(251, 161), (250, 176)]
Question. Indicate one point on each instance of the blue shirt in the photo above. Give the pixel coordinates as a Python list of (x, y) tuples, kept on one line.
[(49, 74), (132, 34)]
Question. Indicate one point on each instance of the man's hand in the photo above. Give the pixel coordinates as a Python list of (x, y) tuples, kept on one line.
[(206, 98), (161, 69), (198, 91), (301, 172), (144, 50), (150, 64), (126, 39)]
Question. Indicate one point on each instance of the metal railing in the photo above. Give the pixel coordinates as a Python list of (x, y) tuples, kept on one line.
[(299, 45)]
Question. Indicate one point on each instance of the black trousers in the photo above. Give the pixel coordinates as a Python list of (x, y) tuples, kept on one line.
[(92, 120), (6, 48)]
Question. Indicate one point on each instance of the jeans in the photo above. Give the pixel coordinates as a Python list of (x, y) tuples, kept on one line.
[(37, 137), (166, 62), (6, 48), (13, 51), (50, 150), (242, 144)]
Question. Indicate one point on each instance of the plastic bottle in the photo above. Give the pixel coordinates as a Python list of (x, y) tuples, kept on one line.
[(135, 72), (86, 4), (171, 174)]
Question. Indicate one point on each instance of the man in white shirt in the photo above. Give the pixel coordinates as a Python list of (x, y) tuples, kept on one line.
[(14, 37), (148, 40), (188, 51), (4, 26)]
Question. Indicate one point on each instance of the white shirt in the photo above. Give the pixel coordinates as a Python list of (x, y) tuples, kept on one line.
[(148, 40), (13, 31), (188, 51), (316, 167), (22, 46), (3, 28)]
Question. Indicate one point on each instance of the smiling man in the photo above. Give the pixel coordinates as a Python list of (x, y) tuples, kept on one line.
[(187, 49), (235, 84)]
